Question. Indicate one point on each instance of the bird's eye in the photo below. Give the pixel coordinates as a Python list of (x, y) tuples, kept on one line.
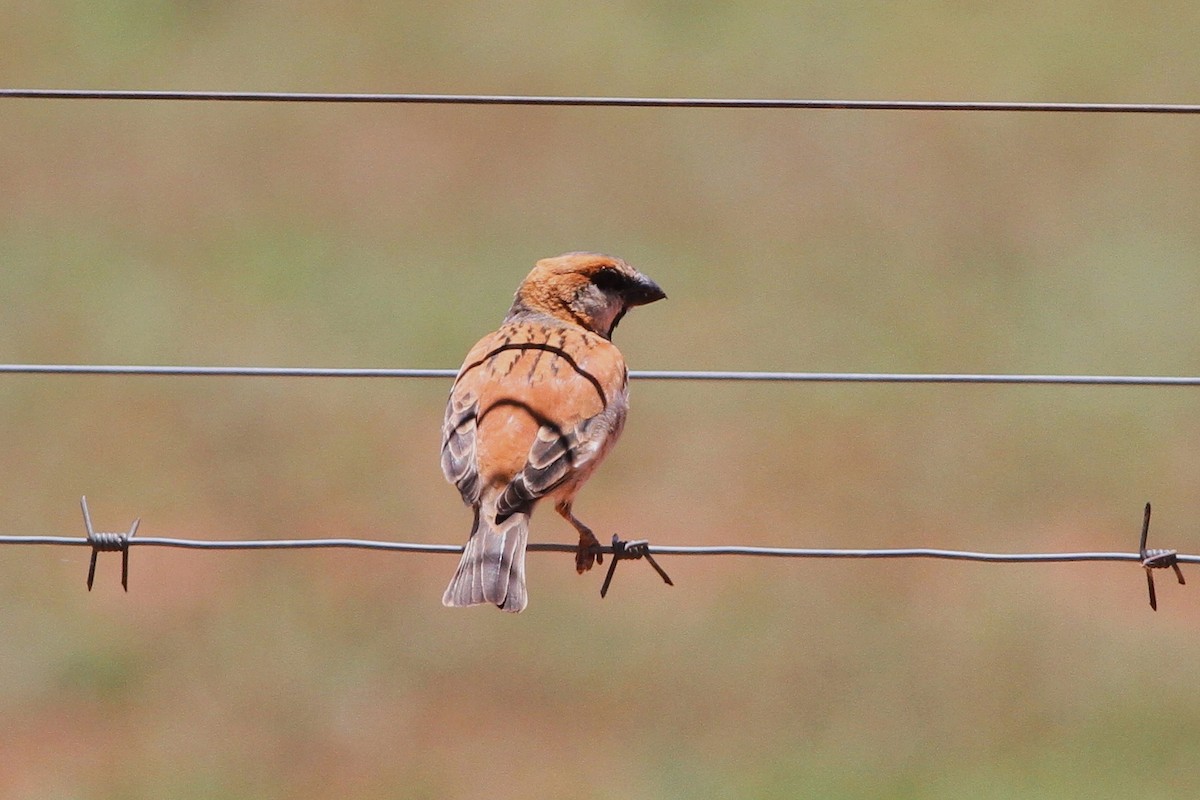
[(609, 280)]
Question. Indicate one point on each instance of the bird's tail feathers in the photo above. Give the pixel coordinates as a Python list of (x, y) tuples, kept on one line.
[(492, 568)]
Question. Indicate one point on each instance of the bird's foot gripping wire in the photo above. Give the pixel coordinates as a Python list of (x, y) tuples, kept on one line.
[(628, 551), (1156, 559), (589, 551)]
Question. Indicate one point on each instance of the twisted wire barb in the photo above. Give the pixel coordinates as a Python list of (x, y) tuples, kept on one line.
[(107, 542)]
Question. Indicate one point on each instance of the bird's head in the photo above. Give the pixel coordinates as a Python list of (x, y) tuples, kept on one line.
[(588, 289)]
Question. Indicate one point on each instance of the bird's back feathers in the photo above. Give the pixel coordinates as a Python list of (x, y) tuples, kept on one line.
[(532, 404)]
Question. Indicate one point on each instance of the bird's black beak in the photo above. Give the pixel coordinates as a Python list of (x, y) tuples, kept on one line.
[(642, 291)]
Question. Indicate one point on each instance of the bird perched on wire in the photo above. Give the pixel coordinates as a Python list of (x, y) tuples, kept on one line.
[(536, 407)]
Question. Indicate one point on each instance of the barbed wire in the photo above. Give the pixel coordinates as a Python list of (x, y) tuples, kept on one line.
[(619, 550), (656, 375), (620, 102)]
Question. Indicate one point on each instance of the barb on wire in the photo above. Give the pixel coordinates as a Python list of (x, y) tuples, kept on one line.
[(161, 370), (1156, 559), (108, 542), (619, 550), (620, 102), (630, 551)]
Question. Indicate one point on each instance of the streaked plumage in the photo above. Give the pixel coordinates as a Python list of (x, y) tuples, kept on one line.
[(534, 410)]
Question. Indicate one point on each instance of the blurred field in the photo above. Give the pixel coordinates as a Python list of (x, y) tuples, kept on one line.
[(394, 236)]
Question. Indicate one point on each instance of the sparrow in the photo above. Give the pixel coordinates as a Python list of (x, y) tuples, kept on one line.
[(536, 407)]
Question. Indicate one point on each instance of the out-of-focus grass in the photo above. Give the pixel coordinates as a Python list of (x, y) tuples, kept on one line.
[(393, 236)]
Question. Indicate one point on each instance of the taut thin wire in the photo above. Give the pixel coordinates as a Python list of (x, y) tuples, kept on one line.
[(551, 547), (622, 102), (620, 550), (657, 375)]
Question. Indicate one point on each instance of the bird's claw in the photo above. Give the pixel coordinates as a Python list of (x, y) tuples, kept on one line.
[(589, 553)]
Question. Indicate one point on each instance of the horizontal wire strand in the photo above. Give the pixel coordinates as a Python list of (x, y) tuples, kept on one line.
[(632, 102), (622, 102), (658, 375), (676, 550)]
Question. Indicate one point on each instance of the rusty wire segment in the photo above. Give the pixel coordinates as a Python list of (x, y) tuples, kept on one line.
[(1156, 559), (620, 550)]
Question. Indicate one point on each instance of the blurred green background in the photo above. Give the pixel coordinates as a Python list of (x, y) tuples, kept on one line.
[(393, 236)]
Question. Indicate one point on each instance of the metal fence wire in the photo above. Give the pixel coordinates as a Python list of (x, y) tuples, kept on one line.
[(619, 550)]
